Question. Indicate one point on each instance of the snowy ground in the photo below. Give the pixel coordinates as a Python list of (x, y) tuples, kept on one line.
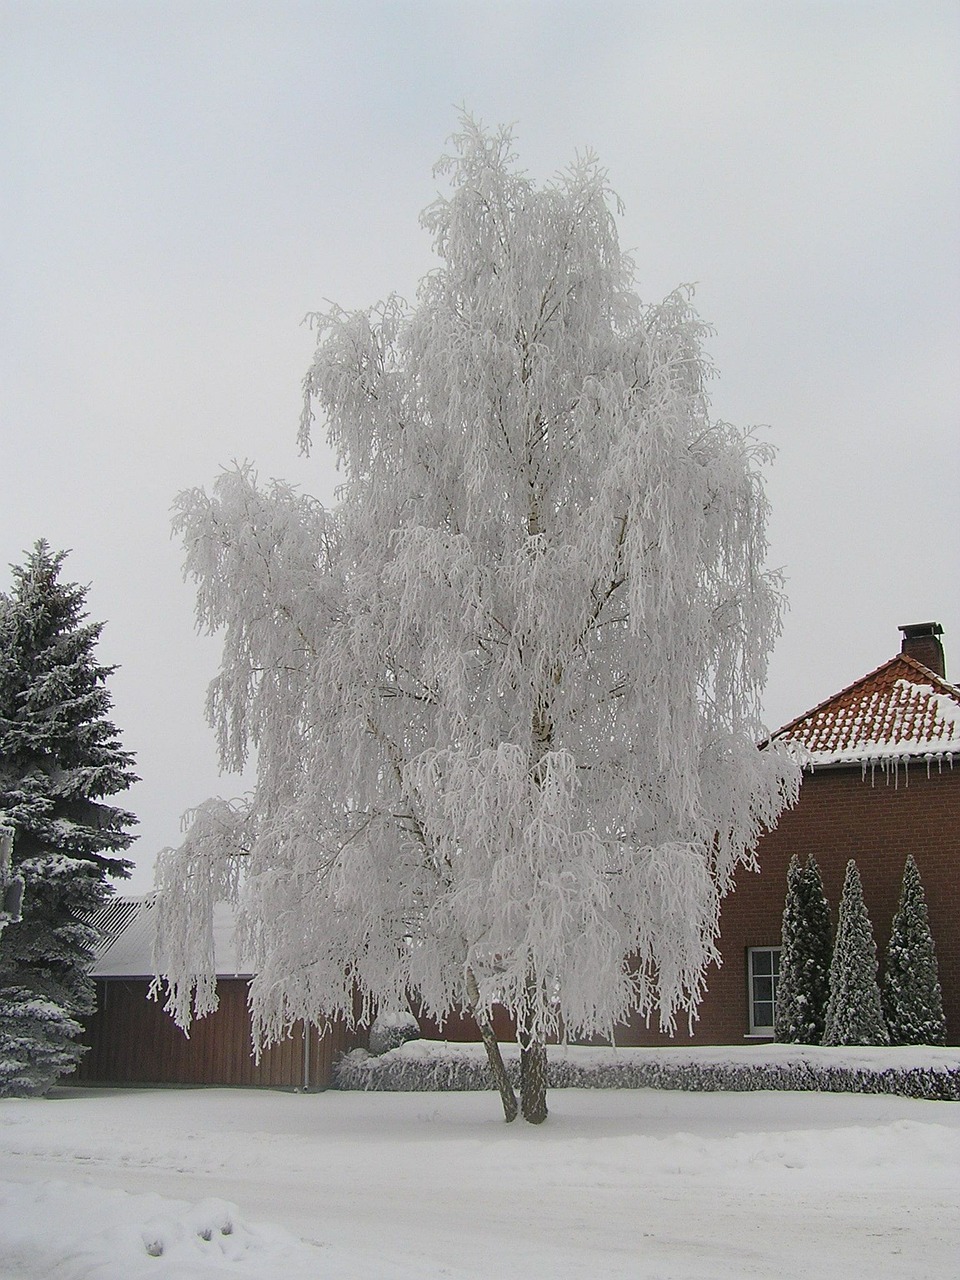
[(181, 1184)]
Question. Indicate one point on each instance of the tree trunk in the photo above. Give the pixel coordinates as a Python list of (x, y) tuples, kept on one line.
[(494, 1057), (533, 1080)]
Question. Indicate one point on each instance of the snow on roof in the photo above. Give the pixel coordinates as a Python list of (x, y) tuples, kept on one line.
[(114, 917), (128, 928), (900, 713)]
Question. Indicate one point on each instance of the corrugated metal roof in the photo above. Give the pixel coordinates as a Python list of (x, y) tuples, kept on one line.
[(116, 916), (128, 928), (902, 711)]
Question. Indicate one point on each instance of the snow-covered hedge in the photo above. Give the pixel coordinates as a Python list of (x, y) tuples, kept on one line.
[(390, 1030), (429, 1066)]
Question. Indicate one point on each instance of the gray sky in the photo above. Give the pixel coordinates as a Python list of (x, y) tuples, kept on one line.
[(182, 182)]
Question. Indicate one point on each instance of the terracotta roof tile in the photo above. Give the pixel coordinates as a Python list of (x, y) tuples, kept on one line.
[(901, 711)]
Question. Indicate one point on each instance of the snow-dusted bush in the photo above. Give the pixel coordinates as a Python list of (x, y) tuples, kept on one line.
[(390, 1030), (854, 1015), (912, 1000), (424, 1072), (432, 1067)]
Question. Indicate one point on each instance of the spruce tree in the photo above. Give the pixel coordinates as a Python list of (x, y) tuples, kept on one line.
[(854, 1015), (804, 986), (60, 758), (912, 1001)]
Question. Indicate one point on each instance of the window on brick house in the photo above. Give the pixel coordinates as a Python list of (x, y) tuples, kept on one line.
[(763, 975)]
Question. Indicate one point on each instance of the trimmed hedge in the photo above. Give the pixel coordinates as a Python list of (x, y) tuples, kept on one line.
[(437, 1071)]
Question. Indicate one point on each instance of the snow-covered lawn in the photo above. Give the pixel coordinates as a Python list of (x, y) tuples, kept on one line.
[(124, 1184)]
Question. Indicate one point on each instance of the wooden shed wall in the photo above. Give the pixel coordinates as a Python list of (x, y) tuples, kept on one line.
[(460, 1026), (133, 1041)]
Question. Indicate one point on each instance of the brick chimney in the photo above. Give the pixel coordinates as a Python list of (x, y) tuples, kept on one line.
[(921, 641)]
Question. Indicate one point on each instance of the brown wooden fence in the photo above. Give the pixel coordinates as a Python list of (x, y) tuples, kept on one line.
[(132, 1041)]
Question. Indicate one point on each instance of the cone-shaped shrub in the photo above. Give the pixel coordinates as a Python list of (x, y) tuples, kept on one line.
[(912, 1001), (854, 1015), (805, 958)]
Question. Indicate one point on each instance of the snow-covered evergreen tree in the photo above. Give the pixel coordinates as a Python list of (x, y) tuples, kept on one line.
[(854, 1015), (504, 698), (804, 985), (791, 999), (911, 995), (60, 757), (38, 1042), (11, 884)]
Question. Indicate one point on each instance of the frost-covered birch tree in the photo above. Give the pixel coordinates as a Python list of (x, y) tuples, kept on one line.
[(505, 696)]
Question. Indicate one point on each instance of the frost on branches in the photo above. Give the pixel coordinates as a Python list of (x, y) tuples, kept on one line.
[(504, 698)]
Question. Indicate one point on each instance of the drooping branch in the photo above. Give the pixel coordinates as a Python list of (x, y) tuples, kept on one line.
[(504, 697)]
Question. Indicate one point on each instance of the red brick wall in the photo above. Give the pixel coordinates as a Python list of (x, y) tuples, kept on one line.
[(841, 815)]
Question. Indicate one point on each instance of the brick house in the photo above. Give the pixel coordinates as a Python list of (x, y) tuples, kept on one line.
[(879, 783)]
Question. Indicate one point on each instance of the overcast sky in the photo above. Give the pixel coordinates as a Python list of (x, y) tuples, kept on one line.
[(182, 182)]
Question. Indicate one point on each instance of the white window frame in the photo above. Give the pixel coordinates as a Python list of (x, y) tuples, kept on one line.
[(762, 1030)]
